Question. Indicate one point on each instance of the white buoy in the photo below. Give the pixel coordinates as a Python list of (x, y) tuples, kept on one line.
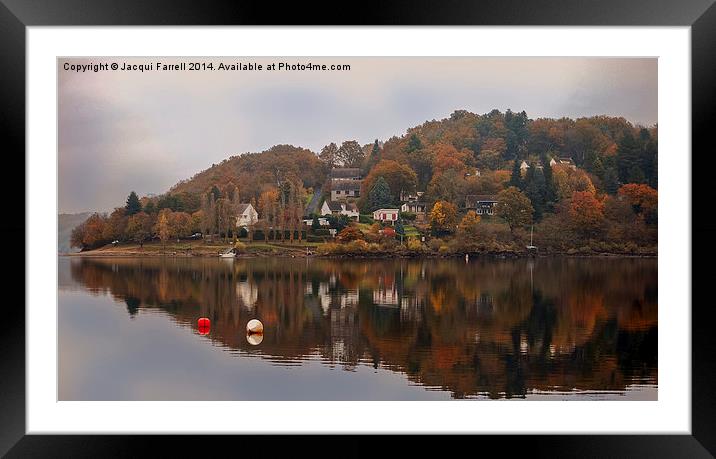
[(254, 326), (255, 339)]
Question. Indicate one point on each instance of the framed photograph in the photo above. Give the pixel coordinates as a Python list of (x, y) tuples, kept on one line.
[(410, 221)]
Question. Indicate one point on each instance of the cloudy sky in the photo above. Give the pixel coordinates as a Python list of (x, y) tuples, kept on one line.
[(128, 130)]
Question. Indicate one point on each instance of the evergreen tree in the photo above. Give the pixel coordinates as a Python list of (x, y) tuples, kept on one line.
[(516, 177), (216, 192), (550, 188), (611, 180), (379, 196), (315, 224), (133, 205), (150, 208), (535, 190), (629, 160), (414, 144)]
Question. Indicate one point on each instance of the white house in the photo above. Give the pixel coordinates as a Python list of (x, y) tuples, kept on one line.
[(247, 216), (386, 215), (340, 208)]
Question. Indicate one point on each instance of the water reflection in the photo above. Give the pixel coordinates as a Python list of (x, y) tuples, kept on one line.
[(496, 328)]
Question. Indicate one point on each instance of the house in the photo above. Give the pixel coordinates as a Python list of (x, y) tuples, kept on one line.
[(413, 203), (411, 197), (473, 173), (340, 208), (386, 215), (344, 189), (524, 166), (481, 204), (417, 208), (321, 222), (339, 174), (246, 216), (563, 161)]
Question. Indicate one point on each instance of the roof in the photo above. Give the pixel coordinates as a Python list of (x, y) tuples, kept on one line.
[(471, 200), (345, 172), (352, 207), (386, 210), (241, 208), (346, 185), (334, 206)]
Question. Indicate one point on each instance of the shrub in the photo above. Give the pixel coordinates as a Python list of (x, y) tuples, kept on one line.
[(365, 218), (349, 234), (415, 245), (435, 244)]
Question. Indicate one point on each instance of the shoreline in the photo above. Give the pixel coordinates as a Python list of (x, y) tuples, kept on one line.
[(378, 256)]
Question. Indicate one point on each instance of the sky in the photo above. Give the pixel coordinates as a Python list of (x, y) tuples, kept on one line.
[(143, 131)]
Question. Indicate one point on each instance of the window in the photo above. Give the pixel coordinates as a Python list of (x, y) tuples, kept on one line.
[(479, 211)]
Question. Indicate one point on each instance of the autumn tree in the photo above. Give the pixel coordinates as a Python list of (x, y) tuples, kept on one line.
[(133, 205), (468, 228), (139, 227), (350, 154), (586, 213), (399, 177), (514, 207), (448, 186), (443, 218), (348, 234), (329, 155), (162, 228), (642, 198)]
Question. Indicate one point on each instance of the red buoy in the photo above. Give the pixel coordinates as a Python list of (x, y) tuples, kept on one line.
[(204, 326)]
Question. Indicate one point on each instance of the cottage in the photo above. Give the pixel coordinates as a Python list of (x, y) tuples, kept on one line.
[(481, 204), (340, 208), (386, 215), (344, 189), (246, 216), (417, 208)]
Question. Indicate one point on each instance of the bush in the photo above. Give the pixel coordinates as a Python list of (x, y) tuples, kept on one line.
[(240, 247), (415, 245), (322, 232), (365, 218), (435, 244), (410, 216)]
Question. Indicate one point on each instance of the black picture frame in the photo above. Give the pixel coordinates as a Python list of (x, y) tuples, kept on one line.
[(700, 15)]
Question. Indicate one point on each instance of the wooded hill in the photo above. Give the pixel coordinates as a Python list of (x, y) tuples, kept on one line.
[(611, 164)]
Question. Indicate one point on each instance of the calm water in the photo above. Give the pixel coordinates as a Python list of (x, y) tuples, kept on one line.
[(358, 329)]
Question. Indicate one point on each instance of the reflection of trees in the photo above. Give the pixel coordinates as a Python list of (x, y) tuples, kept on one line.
[(495, 327)]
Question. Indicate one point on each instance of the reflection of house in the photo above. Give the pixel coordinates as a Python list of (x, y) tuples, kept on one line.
[(386, 215), (563, 161), (248, 293), (246, 215), (340, 208), (345, 189), (385, 297), (481, 204)]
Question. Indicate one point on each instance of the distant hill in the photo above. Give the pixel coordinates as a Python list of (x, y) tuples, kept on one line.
[(65, 225), (252, 171)]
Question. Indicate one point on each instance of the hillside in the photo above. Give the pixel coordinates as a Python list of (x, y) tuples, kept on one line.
[(587, 183), (252, 171)]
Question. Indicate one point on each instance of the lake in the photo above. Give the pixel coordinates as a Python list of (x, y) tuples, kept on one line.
[(431, 329)]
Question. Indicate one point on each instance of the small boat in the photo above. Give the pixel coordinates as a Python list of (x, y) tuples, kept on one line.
[(531, 248), (228, 253)]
